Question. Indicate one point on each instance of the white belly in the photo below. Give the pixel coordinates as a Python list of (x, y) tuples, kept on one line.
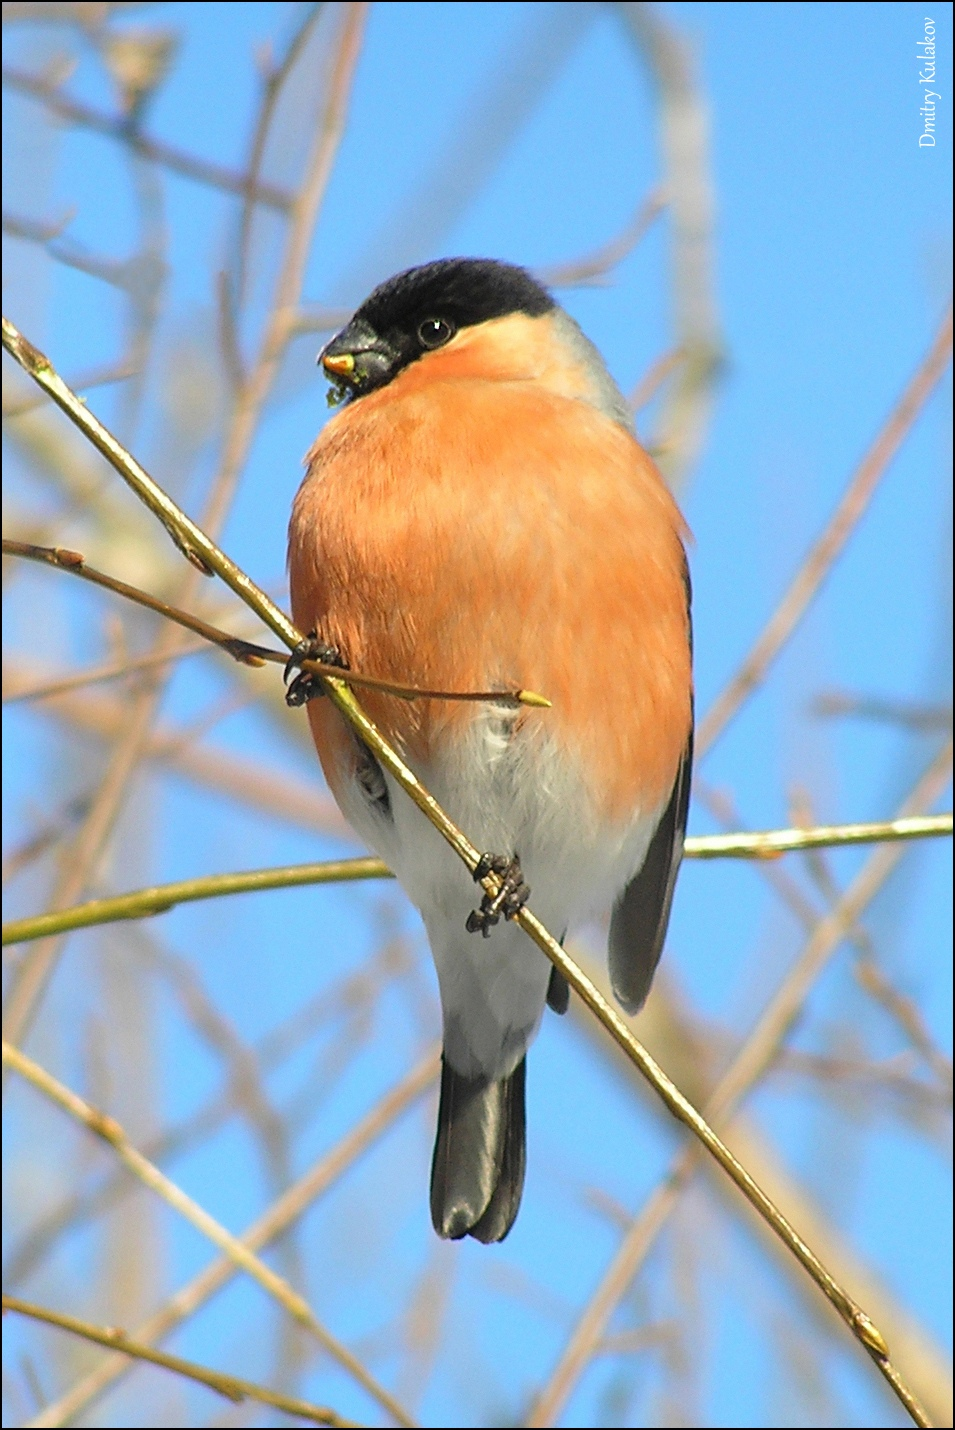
[(510, 794)]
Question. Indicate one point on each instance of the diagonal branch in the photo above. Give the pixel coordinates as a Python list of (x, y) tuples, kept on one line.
[(244, 651), (203, 171), (267, 1228), (207, 555), (827, 548), (750, 1062), (230, 1386), (110, 1131)]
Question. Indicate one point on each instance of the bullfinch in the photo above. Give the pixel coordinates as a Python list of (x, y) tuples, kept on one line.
[(478, 515)]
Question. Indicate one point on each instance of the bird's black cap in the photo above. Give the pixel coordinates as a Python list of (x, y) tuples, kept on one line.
[(422, 309), (464, 290)]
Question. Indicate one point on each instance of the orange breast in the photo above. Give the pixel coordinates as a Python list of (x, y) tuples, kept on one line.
[(466, 534)]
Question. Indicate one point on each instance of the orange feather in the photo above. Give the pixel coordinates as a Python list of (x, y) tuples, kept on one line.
[(480, 523)]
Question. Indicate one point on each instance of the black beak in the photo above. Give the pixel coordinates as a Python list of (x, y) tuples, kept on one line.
[(357, 359)]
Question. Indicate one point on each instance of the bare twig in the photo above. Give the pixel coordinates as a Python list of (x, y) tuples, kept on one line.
[(595, 266), (268, 791), (230, 1386), (909, 714), (272, 89), (265, 1229), (653, 379), (203, 171), (122, 273), (75, 563), (684, 140), (822, 556), (18, 405), (110, 1131), (98, 675), (244, 651), (751, 1061), (770, 843)]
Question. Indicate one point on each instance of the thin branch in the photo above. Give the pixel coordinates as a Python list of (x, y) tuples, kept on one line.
[(18, 406), (205, 553), (203, 171), (272, 1224), (75, 563), (110, 1131), (99, 675), (244, 651), (825, 551), (268, 791), (123, 273), (910, 714), (902, 1010), (303, 216), (345, 1002), (751, 1061), (160, 898), (653, 379), (34, 971), (687, 167), (230, 1386), (317, 318), (770, 843), (595, 266), (274, 81)]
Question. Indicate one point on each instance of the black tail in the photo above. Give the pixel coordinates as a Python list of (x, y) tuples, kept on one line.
[(477, 1174)]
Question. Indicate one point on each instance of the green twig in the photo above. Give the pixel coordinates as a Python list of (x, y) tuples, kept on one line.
[(159, 898)]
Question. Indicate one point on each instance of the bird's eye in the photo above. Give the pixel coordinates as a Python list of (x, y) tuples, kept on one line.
[(435, 332)]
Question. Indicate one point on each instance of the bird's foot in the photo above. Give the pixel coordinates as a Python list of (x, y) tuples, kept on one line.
[(509, 899), (304, 686)]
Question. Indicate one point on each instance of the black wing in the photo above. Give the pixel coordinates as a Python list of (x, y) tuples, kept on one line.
[(638, 925), (640, 917)]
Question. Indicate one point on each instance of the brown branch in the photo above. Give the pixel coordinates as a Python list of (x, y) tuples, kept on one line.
[(272, 89), (244, 651), (75, 563), (96, 377), (272, 1224), (750, 1063), (33, 973), (595, 266), (303, 215), (123, 273), (109, 1130), (866, 970), (203, 171), (268, 791), (687, 167), (346, 1000), (826, 550), (653, 379), (99, 675), (910, 714), (230, 1386)]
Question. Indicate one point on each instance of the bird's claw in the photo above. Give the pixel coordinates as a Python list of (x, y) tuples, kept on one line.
[(509, 899), (304, 686)]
